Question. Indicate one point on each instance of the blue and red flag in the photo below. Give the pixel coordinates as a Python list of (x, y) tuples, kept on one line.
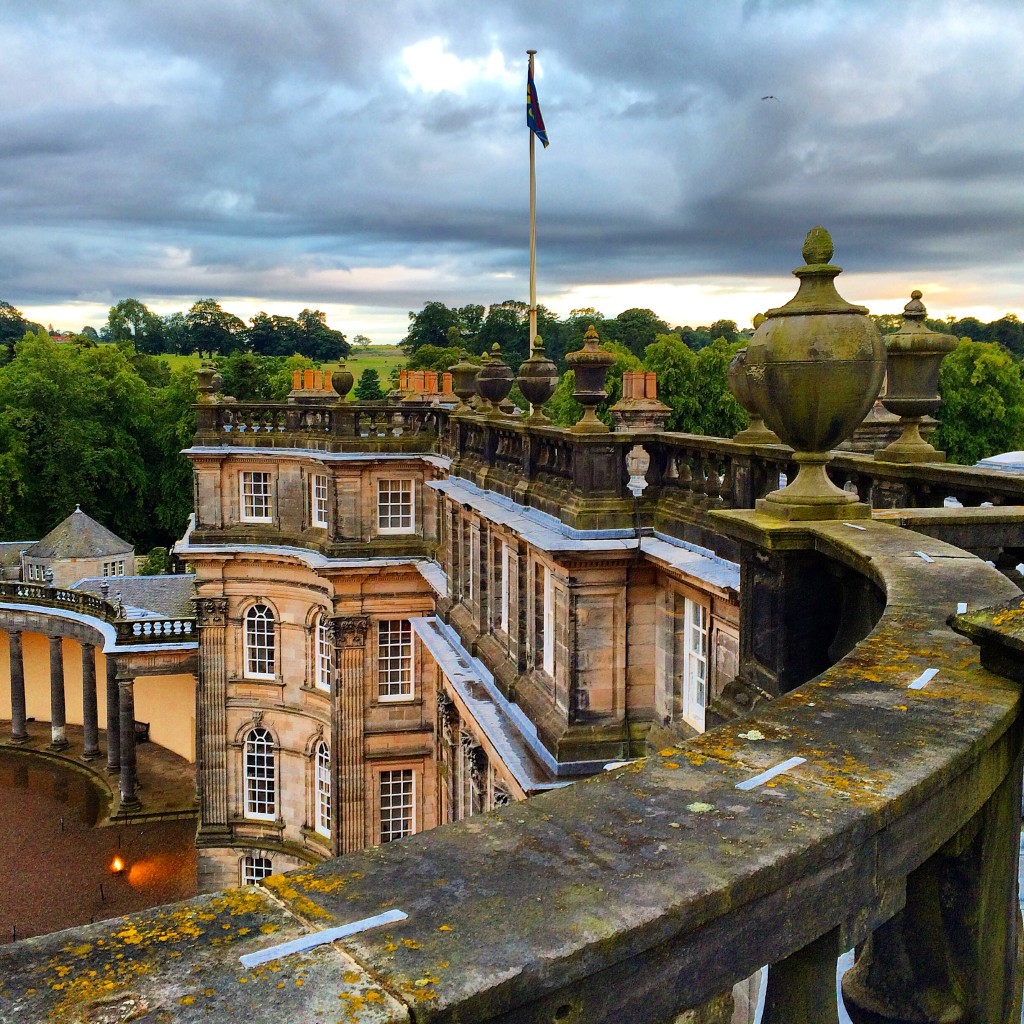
[(534, 119)]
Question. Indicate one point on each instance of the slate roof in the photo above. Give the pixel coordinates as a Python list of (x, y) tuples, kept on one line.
[(10, 551), (79, 536), (159, 595)]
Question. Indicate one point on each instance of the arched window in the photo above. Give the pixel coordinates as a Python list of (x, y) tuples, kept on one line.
[(323, 653), (259, 642), (255, 869), (323, 789), (260, 775)]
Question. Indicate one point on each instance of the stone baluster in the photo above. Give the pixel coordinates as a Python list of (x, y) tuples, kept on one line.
[(90, 712), (128, 778), (802, 988), (951, 953), (347, 767), (211, 724), (19, 733), (113, 720), (698, 481), (58, 713)]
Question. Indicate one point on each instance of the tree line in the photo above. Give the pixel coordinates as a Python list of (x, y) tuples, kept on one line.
[(206, 328)]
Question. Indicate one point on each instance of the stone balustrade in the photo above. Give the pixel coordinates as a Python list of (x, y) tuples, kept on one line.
[(876, 804)]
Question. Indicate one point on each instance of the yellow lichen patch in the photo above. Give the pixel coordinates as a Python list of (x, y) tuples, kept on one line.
[(445, 928), (410, 944), (667, 752), (350, 978), (669, 764), (187, 1000), (269, 929)]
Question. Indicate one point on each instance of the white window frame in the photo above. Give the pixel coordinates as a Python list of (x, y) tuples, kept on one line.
[(549, 622), (396, 669), (322, 785), (36, 572), (255, 503), (474, 561), (257, 627), (396, 515), (318, 502), (695, 664), (114, 568), (259, 765), (255, 869), (388, 785), (324, 653), (505, 561)]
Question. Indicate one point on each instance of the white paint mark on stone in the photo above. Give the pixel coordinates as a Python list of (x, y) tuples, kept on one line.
[(770, 773), (924, 557), (961, 607), (854, 526), (306, 942), (923, 679)]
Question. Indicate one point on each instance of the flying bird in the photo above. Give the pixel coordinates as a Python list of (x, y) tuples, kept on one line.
[(776, 98)]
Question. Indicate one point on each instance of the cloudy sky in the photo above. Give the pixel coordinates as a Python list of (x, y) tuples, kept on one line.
[(363, 157)]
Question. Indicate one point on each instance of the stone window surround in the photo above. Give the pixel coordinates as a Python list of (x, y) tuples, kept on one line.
[(406, 517), (319, 500), (387, 776), (247, 481), (254, 866), (406, 664), (271, 647), (259, 773)]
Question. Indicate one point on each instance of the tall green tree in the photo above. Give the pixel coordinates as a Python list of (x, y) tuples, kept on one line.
[(429, 326), (317, 340), (130, 320), (368, 387), (636, 329), (12, 328), (982, 410), (212, 331)]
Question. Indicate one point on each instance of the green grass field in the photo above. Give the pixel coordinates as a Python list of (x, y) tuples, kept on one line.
[(383, 358)]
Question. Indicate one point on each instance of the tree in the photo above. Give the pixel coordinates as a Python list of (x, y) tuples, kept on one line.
[(361, 342), (982, 410), (212, 330), (368, 388), (431, 357), (132, 321), (429, 326), (318, 341), (636, 329), (507, 325), (12, 327), (248, 377), (675, 363), (718, 412), (157, 563)]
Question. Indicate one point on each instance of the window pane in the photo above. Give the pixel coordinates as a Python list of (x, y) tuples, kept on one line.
[(254, 869), (394, 659), (259, 641), (395, 506), (396, 804), (323, 790), (260, 775)]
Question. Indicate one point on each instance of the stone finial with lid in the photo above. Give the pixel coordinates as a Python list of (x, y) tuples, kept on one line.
[(590, 365), (814, 367), (915, 353)]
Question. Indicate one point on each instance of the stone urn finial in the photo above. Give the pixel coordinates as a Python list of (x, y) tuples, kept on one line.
[(740, 386), (342, 381), (538, 378), (463, 384), (590, 364), (209, 382), (814, 367), (915, 353), (494, 381)]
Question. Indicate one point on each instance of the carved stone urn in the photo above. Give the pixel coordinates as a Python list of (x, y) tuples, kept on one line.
[(590, 364), (915, 353), (342, 381), (538, 378), (815, 366), (494, 381), (208, 383), (463, 384), (740, 386)]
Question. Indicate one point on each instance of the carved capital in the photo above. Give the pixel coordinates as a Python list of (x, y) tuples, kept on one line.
[(211, 611), (351, 630)]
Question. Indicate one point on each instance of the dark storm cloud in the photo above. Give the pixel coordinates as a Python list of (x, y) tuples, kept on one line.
[(281, 150)]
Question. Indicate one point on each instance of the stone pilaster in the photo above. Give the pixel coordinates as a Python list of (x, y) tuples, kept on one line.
[(113, 720), (347, 763), (58, 714), (127, 785), (90, 712), (18, 731), (211, 718)]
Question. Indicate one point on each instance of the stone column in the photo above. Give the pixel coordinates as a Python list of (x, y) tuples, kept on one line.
[(951, 953), (58, 715), (802, 988), (90, 713), (129, 798), (211, 719), (347, 766), (18, 732), (113, 720)]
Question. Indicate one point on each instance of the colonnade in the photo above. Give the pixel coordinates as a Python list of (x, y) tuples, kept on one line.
[(120, 697)]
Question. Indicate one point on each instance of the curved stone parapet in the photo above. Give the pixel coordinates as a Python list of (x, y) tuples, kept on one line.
[(783, 838)]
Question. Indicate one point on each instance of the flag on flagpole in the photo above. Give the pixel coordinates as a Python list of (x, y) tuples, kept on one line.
[(534, 118)]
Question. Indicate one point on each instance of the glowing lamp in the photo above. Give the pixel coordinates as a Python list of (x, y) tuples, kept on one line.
[(117, 865)]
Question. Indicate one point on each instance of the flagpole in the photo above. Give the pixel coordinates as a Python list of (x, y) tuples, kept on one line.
[(533, 227)]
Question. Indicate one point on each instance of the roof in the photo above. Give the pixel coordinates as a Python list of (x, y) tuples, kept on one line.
[(10, 551), (79, 536), (159, 595)]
